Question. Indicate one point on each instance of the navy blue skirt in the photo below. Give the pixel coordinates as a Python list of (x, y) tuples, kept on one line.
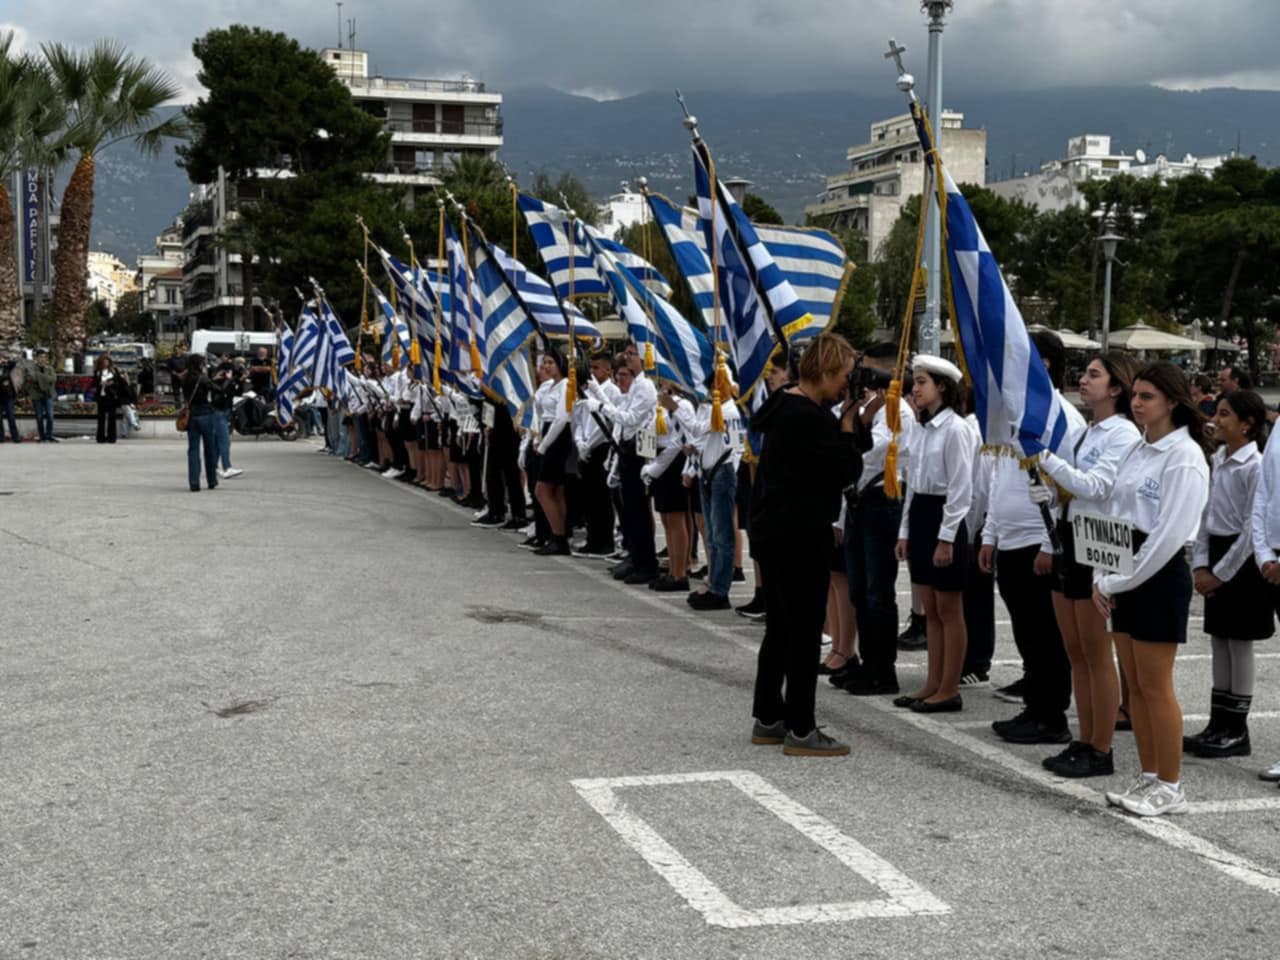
[(923, 523)]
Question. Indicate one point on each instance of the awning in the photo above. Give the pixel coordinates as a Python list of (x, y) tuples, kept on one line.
[(1141, 336), (1070, 339)]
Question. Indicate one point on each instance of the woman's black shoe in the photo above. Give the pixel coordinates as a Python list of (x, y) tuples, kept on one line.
[(1086, 762), (950, 705), (905, 702)]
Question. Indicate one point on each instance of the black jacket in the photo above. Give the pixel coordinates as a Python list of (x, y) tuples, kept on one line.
[(806, 462)]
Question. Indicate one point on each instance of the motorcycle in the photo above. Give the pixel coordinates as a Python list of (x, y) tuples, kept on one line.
[(251, 416)]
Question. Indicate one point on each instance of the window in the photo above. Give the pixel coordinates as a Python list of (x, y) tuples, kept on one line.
[(453, 119)]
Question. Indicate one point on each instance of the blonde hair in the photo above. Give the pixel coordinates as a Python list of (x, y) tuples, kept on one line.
[(828, 353)]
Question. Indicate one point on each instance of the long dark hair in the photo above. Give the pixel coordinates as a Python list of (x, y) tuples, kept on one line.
[(1248, 406), (1120, 368), (1175, 386), (194, 374)]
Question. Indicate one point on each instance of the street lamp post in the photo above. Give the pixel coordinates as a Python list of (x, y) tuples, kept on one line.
[(930, 324), (1109, 240)]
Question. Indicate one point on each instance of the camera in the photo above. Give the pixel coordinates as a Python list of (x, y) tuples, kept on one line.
[(862, 379)]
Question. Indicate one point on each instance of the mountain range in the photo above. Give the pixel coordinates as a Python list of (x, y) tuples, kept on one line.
[(785, 143)]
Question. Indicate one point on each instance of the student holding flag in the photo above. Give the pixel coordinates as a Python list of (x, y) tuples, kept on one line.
[(553, 450)]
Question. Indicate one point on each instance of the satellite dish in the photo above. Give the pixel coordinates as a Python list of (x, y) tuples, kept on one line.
[(1140, 156)]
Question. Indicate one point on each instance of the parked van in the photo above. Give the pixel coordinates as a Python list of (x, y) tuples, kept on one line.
[(222, 342)]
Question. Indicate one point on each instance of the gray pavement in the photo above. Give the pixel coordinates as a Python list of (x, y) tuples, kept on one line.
[(314, 714)]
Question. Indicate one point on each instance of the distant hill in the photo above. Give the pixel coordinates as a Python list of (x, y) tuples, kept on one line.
[(785, 143)]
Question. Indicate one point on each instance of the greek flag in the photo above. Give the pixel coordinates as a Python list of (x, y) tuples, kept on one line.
[(684, 234), (507, 328), (394, 330), (548, 227), (548, 312), (683, 350), (334, 351), (643, 270), (297, 361), (465, 307), (1013, 396)]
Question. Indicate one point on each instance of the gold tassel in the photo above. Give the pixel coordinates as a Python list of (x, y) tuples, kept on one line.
[(891, 488), (892, 410), (748, 454), (648, 355), (660, 426), (476, 366), (435, 370), (395, 354), (717, 415), (359, 363), (571, 389), (415, 353)]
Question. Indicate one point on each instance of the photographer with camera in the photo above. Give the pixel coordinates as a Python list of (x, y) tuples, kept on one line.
[(871, 532), (229, 377)]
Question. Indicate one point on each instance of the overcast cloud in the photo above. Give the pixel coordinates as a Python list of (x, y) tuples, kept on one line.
[(608, 48)]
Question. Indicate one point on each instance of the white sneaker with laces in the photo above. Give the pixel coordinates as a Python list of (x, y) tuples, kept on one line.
[(1271, 773), (1141, 784), (230, 473), (222, 474), (391, 474), (1158, 801)]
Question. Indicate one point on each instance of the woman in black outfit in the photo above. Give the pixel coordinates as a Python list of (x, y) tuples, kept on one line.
[(110, 389), (199, 392), (809, 459)]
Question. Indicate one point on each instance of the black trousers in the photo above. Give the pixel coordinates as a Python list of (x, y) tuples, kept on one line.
[(502, 475), (870, 537), (979, 600), (796, 576), (399, 429), (532, 470), (1035, 632), (107, 421), (637, 515), (597, 499)]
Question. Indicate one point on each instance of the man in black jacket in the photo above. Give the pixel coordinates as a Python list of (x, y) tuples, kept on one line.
[(8, 395)]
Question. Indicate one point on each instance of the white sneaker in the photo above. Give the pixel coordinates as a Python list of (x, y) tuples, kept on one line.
[(1158, 801), (1272, 772), (391, 474), (1140, 785), (230, 473), (222, 474)]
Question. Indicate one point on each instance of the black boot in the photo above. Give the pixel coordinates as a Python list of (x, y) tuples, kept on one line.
[(1232, 740), (1190, 744)]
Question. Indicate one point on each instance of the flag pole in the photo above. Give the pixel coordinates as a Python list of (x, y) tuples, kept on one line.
[(364, 298), (415, 351), (571, 388), (438, 349)]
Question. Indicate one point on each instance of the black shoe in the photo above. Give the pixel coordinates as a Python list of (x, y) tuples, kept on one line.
[(753, 610), (669, 584), (1022, 718), (533, 543), (1072, 749), (1225, 744), (846, 674), (448, 492), (623, 570), (739, 576), (555, 547), (708, 601), (640, 578), (915, 636), (905, 702), (950, 705), (488, 521), (1013, 692), (1034, 731), (1086, 762), (1191, 741), (515, 523), (699, 574), (595, 553), (866, 685), (662, 554)]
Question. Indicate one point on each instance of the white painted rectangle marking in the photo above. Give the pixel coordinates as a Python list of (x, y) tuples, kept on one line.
[(904, 897)]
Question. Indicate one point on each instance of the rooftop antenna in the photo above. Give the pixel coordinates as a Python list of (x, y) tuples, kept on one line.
[(339, 24), (351, 33)]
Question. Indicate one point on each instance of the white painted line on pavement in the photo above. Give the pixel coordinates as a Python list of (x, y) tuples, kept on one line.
[(1244, 805), (904, 897), (1159, 828), (1186, 718)]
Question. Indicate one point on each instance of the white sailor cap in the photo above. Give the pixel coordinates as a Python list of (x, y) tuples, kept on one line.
[(937, 366)]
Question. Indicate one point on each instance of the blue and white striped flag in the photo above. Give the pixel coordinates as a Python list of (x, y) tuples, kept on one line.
[(641, 268), (683, 350), (294, 375), (570, 274), (507, 328), (539, 299), (1014, 400), (334, 351), (284, 405), (394, 330), (465, 311), (684, 234)]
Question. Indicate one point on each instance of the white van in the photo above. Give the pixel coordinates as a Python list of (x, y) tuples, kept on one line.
[(222, 342)]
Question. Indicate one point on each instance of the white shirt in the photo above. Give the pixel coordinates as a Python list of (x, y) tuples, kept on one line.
[(552, 415), (587, 432), (1089, 472), (632, 411), (1161, 489), (713, 446), (1266, 507), (984, 465), (1233, 481), (881, 436), (942, 465)]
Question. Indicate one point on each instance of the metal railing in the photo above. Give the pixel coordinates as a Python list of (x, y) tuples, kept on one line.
[(448, 128), (406, 83)]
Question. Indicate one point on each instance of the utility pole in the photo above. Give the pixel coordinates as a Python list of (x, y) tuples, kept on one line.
[(930, 323)]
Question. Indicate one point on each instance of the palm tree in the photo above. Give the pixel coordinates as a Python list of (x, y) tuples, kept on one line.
[(30, 118), (110, 96)]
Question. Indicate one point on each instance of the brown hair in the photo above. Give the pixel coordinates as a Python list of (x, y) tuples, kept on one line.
[(1120, 368), (100, 364), (1175, 386), (828, 353)]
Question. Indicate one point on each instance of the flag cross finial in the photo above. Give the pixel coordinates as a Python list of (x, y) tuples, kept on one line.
[(895, 54), (690, 121)]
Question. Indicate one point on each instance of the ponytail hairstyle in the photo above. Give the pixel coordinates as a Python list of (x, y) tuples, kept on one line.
[(1249, 407), (1175, 386), (1120, 368)]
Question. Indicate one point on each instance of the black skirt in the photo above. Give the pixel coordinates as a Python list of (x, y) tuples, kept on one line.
[(433, 435), (1240, 609), (923, 523), (1156, 611), (1070, 578), (554, 464), (670, 495)]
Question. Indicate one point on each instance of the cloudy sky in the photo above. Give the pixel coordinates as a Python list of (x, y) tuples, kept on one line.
[(608, 48)]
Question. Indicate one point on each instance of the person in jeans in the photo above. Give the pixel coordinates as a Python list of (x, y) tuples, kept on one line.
[(199, 392), (8, 396), (231, 380), (718, 455), (42, 385)]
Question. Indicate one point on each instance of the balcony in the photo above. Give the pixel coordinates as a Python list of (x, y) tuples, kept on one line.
[(419, 89), (446, 132), (195, 218)]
